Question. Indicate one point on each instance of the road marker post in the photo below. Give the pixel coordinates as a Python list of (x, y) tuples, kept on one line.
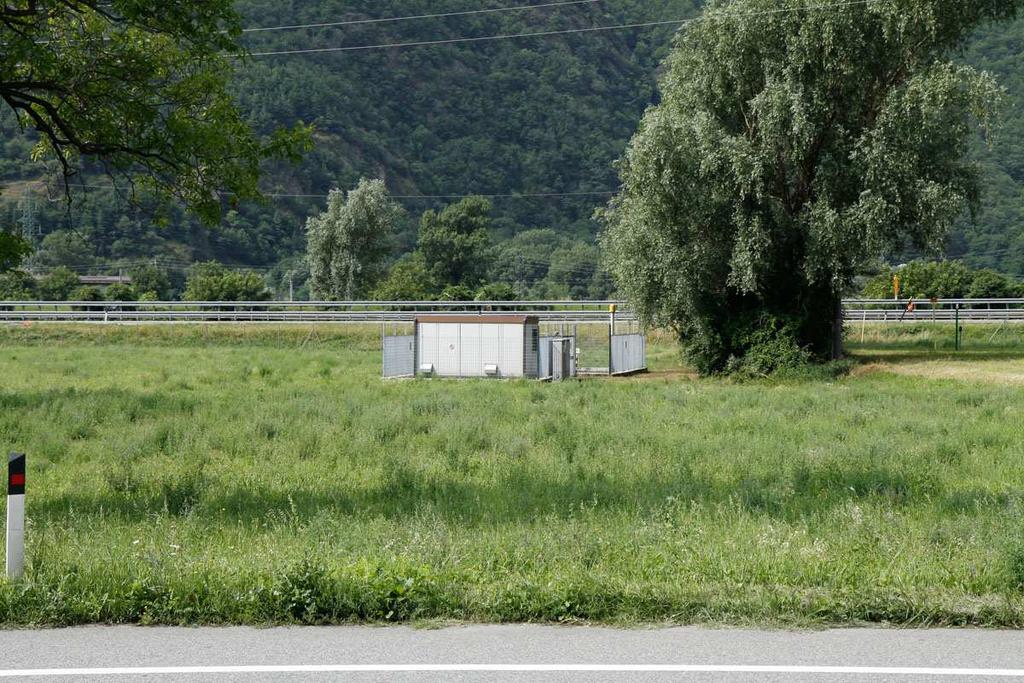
[(15, 515)]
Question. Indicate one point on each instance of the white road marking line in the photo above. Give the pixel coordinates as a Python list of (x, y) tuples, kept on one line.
[(515, 668)]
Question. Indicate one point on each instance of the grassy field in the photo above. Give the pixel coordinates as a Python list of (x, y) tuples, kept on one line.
[(266, 475)]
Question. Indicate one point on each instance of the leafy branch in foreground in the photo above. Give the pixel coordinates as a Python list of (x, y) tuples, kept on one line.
[(143, 90)]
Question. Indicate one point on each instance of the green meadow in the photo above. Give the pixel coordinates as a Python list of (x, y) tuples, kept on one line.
[(262, 475)]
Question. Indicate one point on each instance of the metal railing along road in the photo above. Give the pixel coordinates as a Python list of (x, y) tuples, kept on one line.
[(283, 312), (934, 310), (552, 311)]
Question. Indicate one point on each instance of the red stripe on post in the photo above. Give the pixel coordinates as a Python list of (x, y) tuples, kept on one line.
[(17, 479)]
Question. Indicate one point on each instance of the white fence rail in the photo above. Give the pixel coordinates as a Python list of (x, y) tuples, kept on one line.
[(285, 312)]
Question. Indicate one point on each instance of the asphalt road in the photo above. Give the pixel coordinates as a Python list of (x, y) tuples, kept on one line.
[(508, 653)]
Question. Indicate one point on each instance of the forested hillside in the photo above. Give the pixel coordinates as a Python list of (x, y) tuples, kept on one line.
[(532, 116), (996, 238)]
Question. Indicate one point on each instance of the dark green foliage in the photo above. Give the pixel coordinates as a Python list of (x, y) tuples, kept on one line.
[(86, 293), (13, 250), (789, 150), (995, 239), (408, 280), (120, 292), (766, 346), (941, 280), (65, 248), (537, 115), (454, 242), (988, 284), (544, 264), (17, 285), (152, 279), (525, 260), (144, 93), (576, 272), (498, 291), (57, 285), (532, 116), (456, 293), (1015, 565), (214, 282)]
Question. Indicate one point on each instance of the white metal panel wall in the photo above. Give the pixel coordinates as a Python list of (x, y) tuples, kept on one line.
[(471, 342), (511, 350), (490, 347), (426, 344), (463, 349), (449, 349), (438, 344)]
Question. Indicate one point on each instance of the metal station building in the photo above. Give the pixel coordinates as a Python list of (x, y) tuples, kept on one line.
[(478, 346), (498, 345)]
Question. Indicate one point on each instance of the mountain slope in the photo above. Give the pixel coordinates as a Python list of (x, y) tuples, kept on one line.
[(542, 115)]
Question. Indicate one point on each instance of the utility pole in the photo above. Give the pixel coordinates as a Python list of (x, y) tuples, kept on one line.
[(291, 285)]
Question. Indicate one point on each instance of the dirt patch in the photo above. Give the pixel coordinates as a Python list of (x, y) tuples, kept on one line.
[(988, 371), (673, 375), (869, 369)]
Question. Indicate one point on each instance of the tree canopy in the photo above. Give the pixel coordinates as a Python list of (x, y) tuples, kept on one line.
[(142, 90), (212, 281), (347, 244), (454, 242), (792, 144), (941, 280), (13, 249)]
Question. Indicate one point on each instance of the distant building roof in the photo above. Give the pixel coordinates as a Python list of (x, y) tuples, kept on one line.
[(104, 280), (484, 318)]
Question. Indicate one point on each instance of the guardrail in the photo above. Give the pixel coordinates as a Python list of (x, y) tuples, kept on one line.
[(937, 310), (285, 312), (365, 312)]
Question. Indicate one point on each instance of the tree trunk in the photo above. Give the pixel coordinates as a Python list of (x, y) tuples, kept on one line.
[(837, 328)]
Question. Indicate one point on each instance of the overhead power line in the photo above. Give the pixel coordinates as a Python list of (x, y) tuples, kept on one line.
[(505, 195), (414, 17), (476, 39), (558, 32)]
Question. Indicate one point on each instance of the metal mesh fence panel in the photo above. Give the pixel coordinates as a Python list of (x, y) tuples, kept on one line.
[(399, 356)]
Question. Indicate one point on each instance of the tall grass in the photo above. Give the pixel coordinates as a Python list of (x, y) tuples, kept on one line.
[(240, 475)]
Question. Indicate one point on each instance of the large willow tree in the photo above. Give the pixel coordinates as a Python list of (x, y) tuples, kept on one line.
[(348, 242), (795, 140)]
